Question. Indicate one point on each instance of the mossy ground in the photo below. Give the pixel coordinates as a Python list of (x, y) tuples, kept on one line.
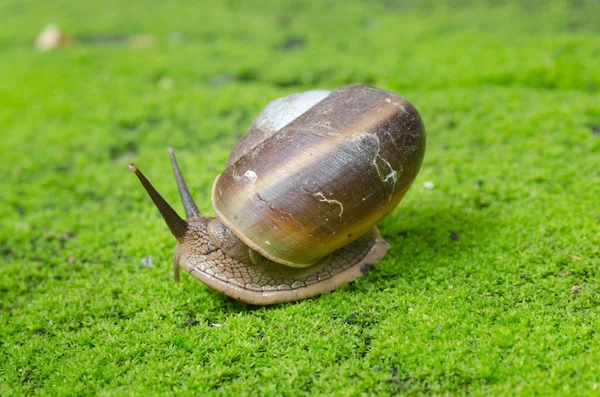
[(476, 295)]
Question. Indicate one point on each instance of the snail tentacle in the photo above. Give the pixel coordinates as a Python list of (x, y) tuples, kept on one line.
[(177, 225), (191, 210)]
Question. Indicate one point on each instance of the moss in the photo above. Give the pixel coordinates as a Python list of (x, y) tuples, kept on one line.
[(476, 295)]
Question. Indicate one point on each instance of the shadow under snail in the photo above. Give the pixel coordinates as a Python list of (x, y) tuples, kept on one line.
[(303, 190)]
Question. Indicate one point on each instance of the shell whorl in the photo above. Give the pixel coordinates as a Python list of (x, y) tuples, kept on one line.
[(277, 114)]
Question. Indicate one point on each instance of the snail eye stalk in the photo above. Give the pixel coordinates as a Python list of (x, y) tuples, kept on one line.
[(177, 225), (191, 210)]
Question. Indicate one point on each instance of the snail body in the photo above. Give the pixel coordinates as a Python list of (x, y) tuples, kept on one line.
[(298, 203)]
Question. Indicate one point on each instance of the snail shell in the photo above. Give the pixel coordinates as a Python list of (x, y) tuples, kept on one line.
[(296, 191)]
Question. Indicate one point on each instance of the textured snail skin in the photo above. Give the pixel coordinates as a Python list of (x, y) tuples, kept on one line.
[(267, 282), (325, 179)]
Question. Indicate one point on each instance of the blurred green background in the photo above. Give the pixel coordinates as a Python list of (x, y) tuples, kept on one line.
[(490, 288)]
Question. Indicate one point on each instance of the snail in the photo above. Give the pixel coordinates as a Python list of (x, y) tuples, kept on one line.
[(303, 190)]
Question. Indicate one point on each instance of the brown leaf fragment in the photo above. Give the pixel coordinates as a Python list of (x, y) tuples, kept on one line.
[(50, 38), (574, 257)]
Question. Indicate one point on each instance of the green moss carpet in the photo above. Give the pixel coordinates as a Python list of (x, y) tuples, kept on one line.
[(491, 286)]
